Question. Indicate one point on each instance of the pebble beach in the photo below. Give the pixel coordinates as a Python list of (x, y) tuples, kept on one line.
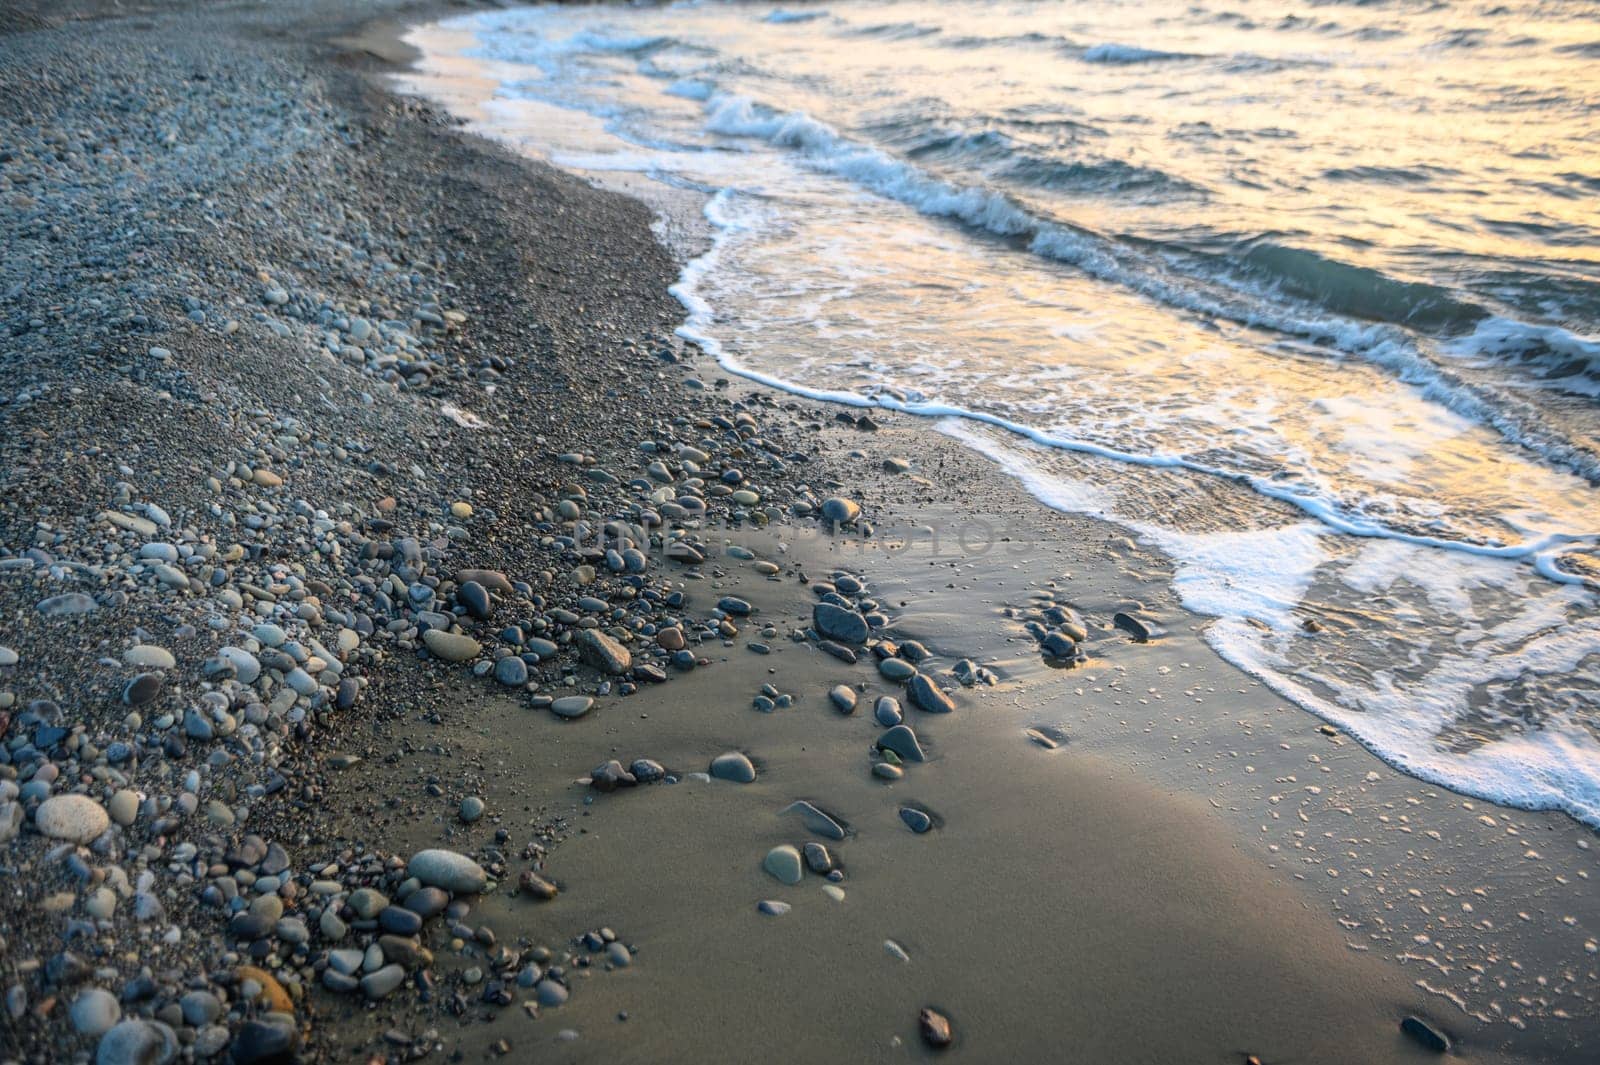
[(412, 649)]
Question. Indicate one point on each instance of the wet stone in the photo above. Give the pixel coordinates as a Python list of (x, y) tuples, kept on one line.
[(886, 711), (783, 863), (935, 1028), (843, 698), (928, 696), (449, 870), (511, 671), (817, 820), (903, 742), (916, 820), (733, 766), (1426, 1035), (818, 860), (572, 706), (839, 623)]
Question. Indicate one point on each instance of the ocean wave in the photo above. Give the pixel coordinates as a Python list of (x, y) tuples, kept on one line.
[(1124, 54), (895, 31), (1241, 298), (1559, 352), (781, 16), (1101, 175)]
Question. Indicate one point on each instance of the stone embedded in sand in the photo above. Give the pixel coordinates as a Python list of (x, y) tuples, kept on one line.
[(532, 884), (783, 863), (903, 742), (1134, 626), (602, 652), (1426, 1034), (935, 1028), (887, 712), (1058, 645), (449, 870), (142, 689), (843, 698), (730, 604), (451, 646), (928, 696), (839, 623), (816, 819), (76, 818), (840, 511), (916, 820), (733, 766), (896, 669), (818, 860), (571, 705), (773, 907)]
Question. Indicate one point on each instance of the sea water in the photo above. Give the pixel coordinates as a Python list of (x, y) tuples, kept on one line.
[(1307, 296)]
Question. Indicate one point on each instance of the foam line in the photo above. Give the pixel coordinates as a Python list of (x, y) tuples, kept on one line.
[(701, 317)]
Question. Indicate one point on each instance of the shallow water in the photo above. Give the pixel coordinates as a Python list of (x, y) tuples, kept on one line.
[(1309, 301)]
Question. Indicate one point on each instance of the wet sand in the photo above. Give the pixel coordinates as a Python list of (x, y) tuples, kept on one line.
[(1117, 898)]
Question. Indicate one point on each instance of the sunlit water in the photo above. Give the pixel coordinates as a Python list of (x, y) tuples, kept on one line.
[(1309, 300)]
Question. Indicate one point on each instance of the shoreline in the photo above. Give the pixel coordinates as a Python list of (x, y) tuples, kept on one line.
[(1190, 945)]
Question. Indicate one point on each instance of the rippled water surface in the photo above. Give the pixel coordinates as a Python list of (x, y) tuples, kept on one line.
[(1309, 297)]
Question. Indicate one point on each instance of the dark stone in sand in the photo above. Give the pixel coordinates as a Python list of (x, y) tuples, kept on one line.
[(646, 771), (1059, 645), (733, 605), (511, 671), (475, 598), (142, 689), (903, 742), (839, 623), (265, 1042), (928, 696), (247, 925), (400, 920), (838, 650), (1136, 627), (1426, 1034), (916, 820)]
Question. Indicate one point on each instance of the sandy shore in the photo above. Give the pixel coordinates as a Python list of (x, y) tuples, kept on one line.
[(299, 369)]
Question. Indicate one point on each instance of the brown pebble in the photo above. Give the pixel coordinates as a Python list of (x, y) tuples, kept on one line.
[(935, 1027), (531, 883)]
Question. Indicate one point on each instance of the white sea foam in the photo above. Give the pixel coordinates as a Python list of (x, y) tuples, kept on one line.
[(1251, 582)]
